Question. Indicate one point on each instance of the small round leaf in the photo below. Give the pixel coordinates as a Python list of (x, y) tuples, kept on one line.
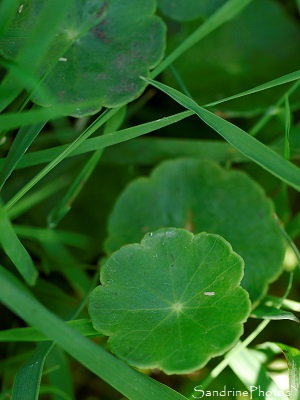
[(200, 196), (171, 302)]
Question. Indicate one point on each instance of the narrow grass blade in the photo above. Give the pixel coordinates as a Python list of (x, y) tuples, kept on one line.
[(287, 152), (246, 144), (28, 378), (37, 197), (180, 81), (131, 383), (254, 376), (15, 250), (83, 326), (10, 121), (48, 235), (23, 140), (65, 204), (293, 358), (224, 14), (273, 110), (101, 142), (294, 76), (88, 132)]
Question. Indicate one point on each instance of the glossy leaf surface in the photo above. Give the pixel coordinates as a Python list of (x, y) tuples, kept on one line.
[(171, 302), (200, 196)]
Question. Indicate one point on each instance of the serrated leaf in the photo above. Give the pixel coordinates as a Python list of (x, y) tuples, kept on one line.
[(99, 52), (171, 302), (200, 196)]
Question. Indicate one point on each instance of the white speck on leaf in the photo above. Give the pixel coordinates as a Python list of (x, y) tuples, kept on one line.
[(20, 8), (209, 293), (63, 59)]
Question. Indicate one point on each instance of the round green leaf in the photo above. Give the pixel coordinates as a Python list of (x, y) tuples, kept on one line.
[(171, 302), (183, 10), (200, 196), (99, 53)]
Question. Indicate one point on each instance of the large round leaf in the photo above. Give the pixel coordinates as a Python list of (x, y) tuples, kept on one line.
[(257, 46), (200, 196), (100, 51), (171, 302)]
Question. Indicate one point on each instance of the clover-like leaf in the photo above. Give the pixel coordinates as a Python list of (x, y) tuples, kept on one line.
[(99, 53), (171, 302), (183, 10), (200, 196)]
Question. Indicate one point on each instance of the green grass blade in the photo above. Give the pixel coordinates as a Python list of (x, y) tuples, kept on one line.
[(15, 250), (273, 110), (294, 76), (23, 140), (49, 235), (293, 358), (287, 151), (65, 205), (180, 81), (37, 197), (224, 14), (246, 144), (28, 378), (83, 326), (101, 142), (131, 383), (88, 132), (10, 121)]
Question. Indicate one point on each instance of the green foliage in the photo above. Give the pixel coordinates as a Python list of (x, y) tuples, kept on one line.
[(257, 46), (98, 52), (193, 222), (199, 196), (172, 302)]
